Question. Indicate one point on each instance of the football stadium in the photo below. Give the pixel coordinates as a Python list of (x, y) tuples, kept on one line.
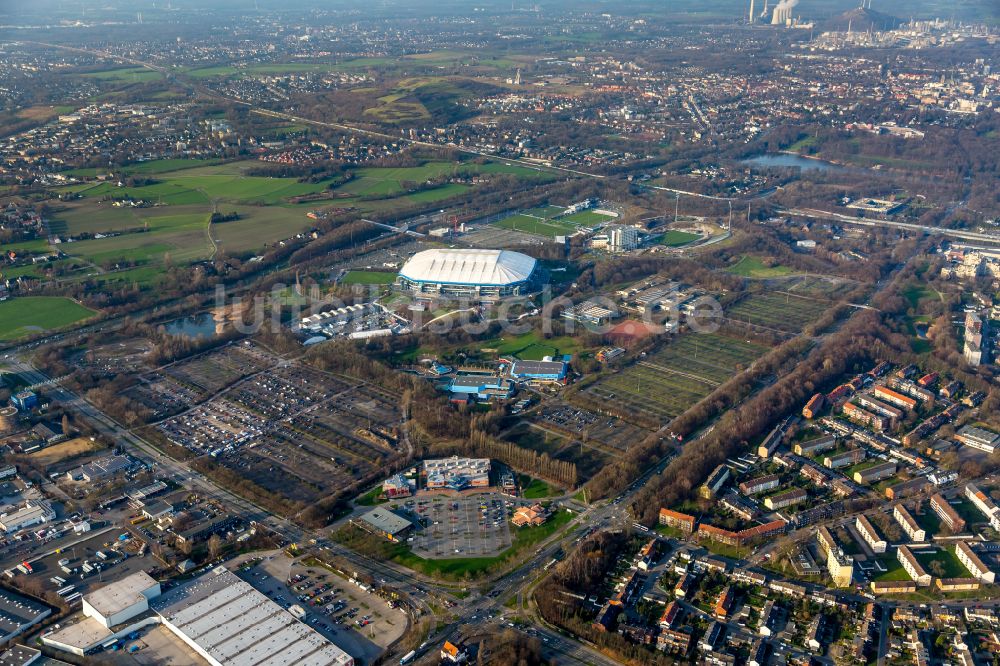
[(486, 274)]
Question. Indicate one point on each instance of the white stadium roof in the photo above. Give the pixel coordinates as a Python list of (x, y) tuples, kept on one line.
[(480, 267)]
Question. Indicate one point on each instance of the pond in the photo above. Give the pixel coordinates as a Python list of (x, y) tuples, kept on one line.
[(195, 327)]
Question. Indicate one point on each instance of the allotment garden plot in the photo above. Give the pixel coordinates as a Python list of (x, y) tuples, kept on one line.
[(780, 310), (668, 382)]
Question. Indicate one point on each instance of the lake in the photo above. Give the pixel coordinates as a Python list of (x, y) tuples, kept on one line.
[(793, 161)]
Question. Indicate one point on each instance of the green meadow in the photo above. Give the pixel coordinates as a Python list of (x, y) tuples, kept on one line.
[(173, 221), (20, 317)]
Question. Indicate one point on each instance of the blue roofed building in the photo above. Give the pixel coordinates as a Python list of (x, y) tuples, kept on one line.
[(25, 400), (484, 387), (540, 372)]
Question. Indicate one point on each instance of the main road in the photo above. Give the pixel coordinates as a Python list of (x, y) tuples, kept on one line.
[(817, 214)]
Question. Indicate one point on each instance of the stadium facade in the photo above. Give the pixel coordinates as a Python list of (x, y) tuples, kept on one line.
[(469, 273)]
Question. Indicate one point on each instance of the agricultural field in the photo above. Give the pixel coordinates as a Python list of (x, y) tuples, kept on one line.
[(36, 246), (258, 69), (670, 381), (126, 75), (150, 167), (43, 113), (184, 237), (778, 310), (173, 223), (20, 317), (258, 226)]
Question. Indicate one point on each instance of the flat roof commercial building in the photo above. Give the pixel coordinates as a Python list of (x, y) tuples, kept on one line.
[(121, 601), (102, 469), (19, 655), (978, 438), (591, 313), (457, 473), (32, 513), (539, 371), (18, 613), (227, 621), (385, 523), (484, 387)]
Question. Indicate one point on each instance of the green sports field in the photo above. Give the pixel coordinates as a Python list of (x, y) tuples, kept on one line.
[(537, 226), (20, 317), (586, 218), (675, 238)]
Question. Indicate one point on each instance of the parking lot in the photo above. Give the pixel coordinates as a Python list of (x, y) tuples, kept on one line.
[(357, 621), (470, 526), (120, 561)]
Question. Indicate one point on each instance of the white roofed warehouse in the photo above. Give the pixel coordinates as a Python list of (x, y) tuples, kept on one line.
[(458, 273)]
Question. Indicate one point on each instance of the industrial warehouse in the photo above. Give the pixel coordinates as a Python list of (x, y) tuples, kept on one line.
[(485, 274), (218, 615)]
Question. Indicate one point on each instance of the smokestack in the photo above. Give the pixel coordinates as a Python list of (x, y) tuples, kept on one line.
[(753, 17)]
